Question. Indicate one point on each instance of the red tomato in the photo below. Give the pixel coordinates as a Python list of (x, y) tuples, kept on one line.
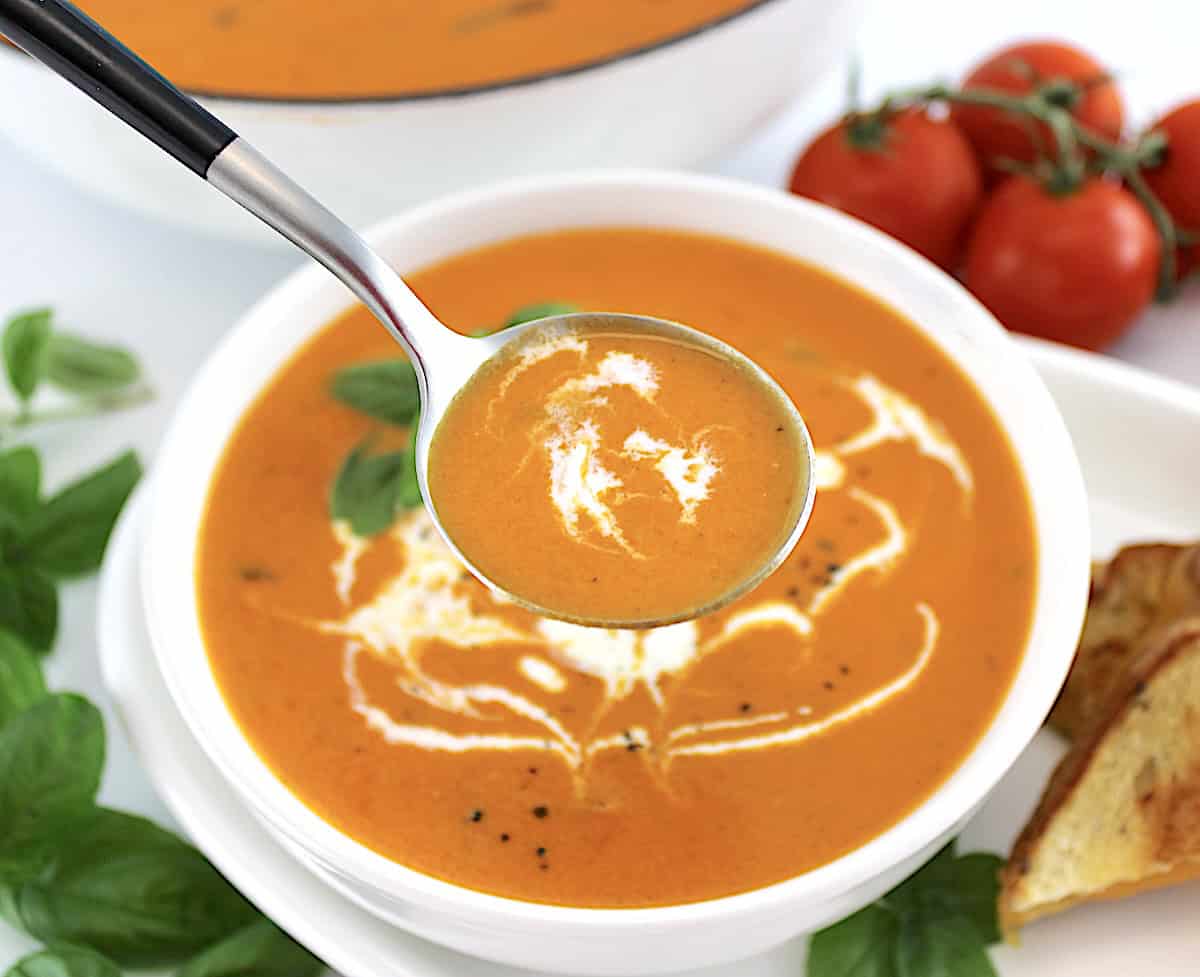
[(1077, 268), (1020, 69), (918, 181), (1177, 181)]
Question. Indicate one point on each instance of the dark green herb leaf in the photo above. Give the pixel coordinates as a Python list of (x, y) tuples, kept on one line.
[(127, 888), (529, 313), (858, 946), (408, 491), (24, 345), (20, 485), (29, 606), (79, 366), (64, 961), (67, 535), (942, 948), (261, 949), (386, 390), (21, 681), (369, 490), (964, 886), (51, 757), (943, 917)]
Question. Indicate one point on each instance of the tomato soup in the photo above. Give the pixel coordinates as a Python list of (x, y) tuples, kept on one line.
[(462, 736), (617, 477), (379, 48)]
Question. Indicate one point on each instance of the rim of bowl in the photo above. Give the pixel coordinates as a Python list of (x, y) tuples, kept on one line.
[(966, 332), (465, 91)]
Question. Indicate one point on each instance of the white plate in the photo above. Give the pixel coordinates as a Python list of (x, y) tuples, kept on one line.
[(1131, 430)]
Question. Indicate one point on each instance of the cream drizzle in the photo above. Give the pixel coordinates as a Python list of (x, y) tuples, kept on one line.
[(424, 604)]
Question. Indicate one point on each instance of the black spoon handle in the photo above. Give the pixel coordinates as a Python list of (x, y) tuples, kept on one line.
[(63, 37), (69, 42)]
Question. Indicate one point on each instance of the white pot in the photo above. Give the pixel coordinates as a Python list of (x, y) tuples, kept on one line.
[(638, 941), (674, 104)]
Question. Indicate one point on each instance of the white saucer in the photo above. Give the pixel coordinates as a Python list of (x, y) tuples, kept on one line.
[(1132, 432)]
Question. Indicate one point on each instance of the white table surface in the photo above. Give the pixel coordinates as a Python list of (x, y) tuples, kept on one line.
[(170, 294)]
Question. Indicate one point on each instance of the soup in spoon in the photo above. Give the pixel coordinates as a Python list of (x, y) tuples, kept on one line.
[(619, 477)]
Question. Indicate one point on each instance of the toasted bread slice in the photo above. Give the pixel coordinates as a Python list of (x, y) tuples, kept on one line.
[(1143, 589), (1121, 813)]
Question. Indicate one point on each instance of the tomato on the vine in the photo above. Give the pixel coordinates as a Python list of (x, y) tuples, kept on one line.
[(908, 174), (1023, 68), (1176, 181), (1076, 267)]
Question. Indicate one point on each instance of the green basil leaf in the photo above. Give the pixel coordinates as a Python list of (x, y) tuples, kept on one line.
[(20, 485), (859, 946), (24, 345), (29, 606), (408, 491), (261, 949), (943, 948), (21, 681), (977, 882), (386, 390), (131, 890), (66, 537), (64, 961), (540, 310), (951, 887), (368, 490), (51, 758), (80, 366)]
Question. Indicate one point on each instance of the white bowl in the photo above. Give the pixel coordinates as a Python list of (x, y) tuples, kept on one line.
[(639, 941), (672, 104)]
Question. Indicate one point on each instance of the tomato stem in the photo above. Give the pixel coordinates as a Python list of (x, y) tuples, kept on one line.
[(1050, 103)]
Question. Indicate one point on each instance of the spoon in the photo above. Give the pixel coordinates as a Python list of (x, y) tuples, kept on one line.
[(70, 43)]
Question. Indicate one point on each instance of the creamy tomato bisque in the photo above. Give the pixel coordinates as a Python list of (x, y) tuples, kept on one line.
[(384, 48), (617, 477), (465, 737)]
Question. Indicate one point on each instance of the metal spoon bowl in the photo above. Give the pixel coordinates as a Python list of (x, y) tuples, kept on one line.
[(70, 43)]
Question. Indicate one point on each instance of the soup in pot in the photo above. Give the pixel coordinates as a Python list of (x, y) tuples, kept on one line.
[(385, 48), (452, 731)]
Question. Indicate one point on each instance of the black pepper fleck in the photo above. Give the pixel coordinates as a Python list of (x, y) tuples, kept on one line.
[(476, 816), (504, 837), (832, 567), (543, 866), (533, 770), (844, 669), (745, 707), (828, 686), (255, 574), (793, 591), (541, 852), (541, 811)]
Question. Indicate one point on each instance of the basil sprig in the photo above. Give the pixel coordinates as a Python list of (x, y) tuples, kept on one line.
[(937, 923), (370, 490), (74, 874), (46, 540), (93, 377), (100, 888)]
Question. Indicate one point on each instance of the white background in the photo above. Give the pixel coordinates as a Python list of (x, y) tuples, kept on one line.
[(171, 295)]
